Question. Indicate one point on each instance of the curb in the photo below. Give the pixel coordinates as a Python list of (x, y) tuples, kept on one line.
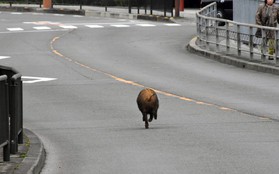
[(110, 14), (193, 48), (89, 13), (35, 157), (41, 10)]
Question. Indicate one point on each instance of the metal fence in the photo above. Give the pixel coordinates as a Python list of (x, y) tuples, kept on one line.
[(4, 118), (228, 37), (162, 7), (11, 111)]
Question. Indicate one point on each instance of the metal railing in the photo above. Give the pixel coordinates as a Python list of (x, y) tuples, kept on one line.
[(11, 111), (234, 38), (4, 118)]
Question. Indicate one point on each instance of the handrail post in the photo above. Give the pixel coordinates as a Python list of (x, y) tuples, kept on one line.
[(264, 44), (165, 9), (227, 37), (138, 4), (217, 37), (251, 42), (129, 6), (207, 33), (238, 40), (276, 46), (198, 29), (151, 7), (4, 118)]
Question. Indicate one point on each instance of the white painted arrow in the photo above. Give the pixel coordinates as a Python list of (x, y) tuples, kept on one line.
[(5, 57), (29, 79)]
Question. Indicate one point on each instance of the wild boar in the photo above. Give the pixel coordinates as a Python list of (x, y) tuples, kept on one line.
[(148, 103)]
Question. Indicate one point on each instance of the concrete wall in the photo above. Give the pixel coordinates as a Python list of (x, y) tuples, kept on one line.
[(245, 10)]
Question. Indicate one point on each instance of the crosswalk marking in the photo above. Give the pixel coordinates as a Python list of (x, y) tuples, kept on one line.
[(94, 26), (146, 25), (58, 15), (42, 28), (15, 29), (78, 16), (120, 26), (49, 26), (16, 13), (68, 26), (173, 25), (5, 57)]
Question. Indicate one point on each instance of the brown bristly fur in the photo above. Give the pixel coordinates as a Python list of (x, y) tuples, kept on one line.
[(148, 103)]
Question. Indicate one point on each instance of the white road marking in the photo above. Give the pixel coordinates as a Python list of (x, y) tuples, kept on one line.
[(37, 14), (32, 31), (29, 79), (58, 15), (5, 57), (146, 25), (120, 26), (173, 25), (68, 26), (16, 13), (94, 26), (42, 28), (15, 29), (78, 16)]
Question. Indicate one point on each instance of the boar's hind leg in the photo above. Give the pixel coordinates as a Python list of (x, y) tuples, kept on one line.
[(155, 115), (151, 118), (146, 124), (144, 116)]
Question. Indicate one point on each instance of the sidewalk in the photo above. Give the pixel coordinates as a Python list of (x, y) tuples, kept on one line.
[(116, 12), (29, 159)]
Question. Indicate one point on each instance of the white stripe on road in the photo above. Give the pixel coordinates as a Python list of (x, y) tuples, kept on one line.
[(78, 16), (94, 26), (4, 57), (15, 29), (146, 25), (58, 15), (173, 25), (120, 26), (42, 28), (16, 13), (29, 79), (68, 26)]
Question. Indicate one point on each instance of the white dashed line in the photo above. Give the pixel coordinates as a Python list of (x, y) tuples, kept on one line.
[(120, 26), (68, 26), (16, 13), (146, 25), (94, 26), (15, 29), (4, 57), (58, 15), (42, 28), (78, 16), (173, 25)]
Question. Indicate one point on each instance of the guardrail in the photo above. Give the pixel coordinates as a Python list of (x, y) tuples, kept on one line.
[(4, 118), (234, 38), (162, 7), (11, 111)]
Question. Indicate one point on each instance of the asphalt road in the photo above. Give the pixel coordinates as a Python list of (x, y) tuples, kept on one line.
[(213, 118)]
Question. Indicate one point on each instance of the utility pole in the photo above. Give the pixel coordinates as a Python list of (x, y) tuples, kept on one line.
[(177, 8), (47, 4)]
